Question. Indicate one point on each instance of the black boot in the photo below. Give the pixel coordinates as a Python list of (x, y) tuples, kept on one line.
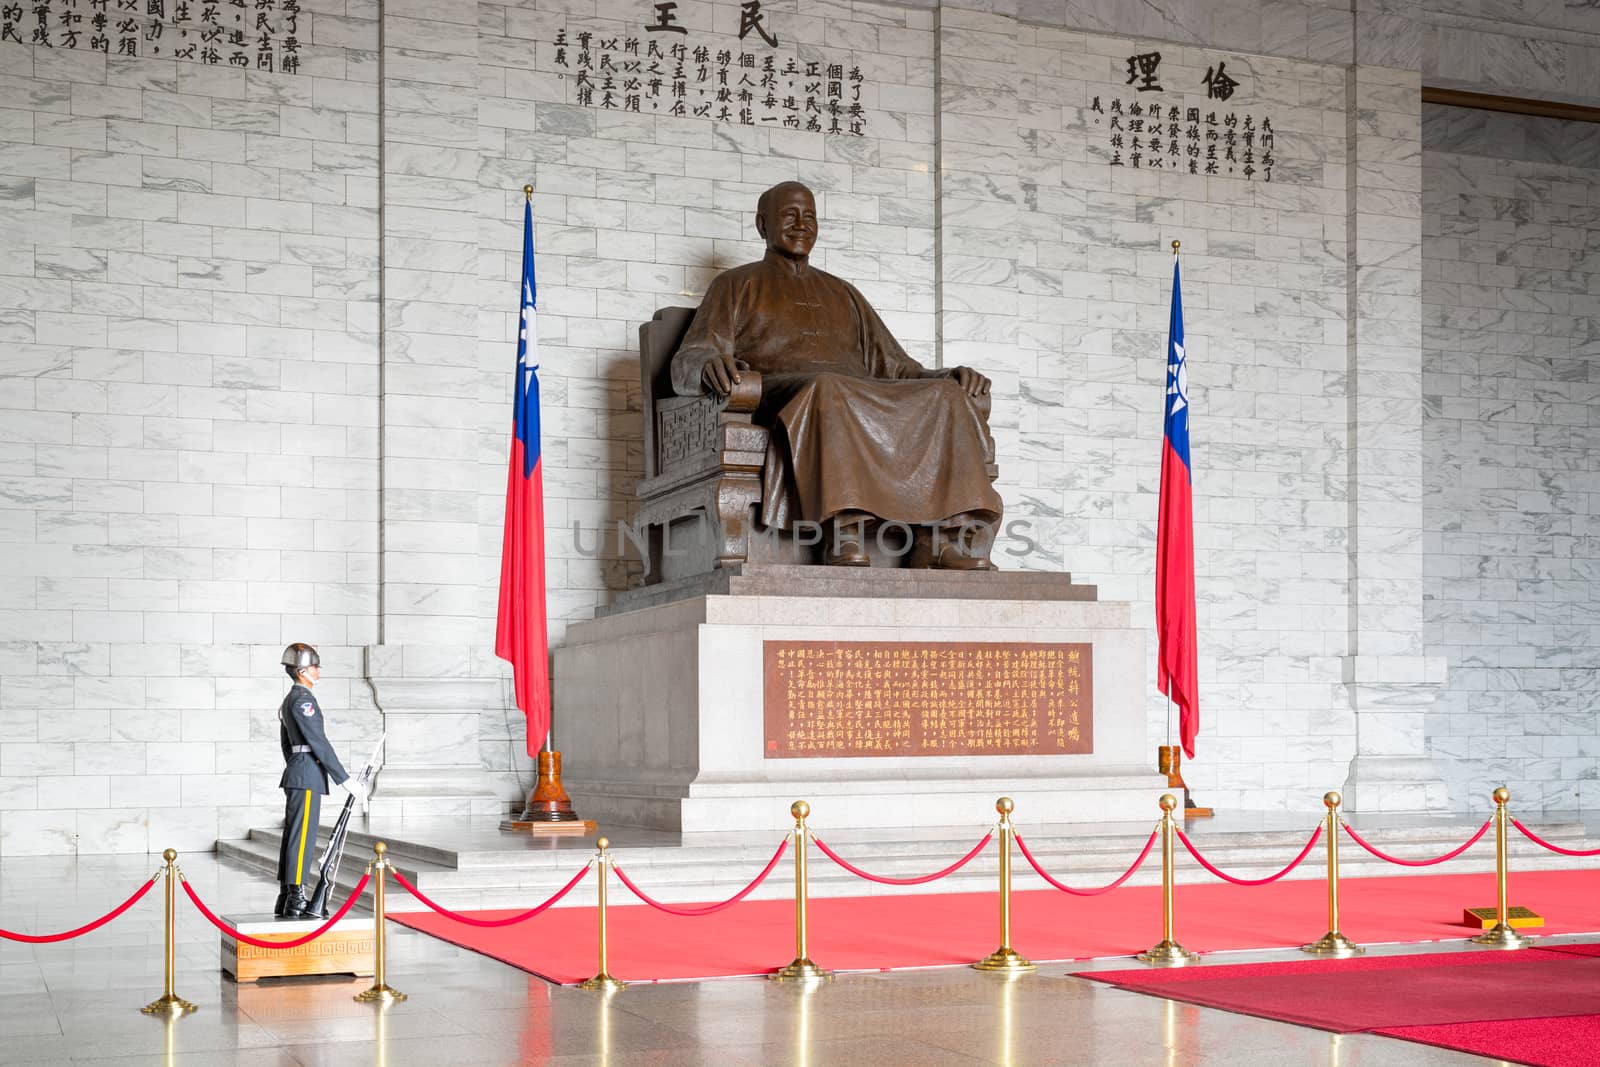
[(296, 906), (283, 895)]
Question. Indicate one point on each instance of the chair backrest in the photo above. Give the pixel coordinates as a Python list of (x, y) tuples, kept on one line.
[(658, 340)]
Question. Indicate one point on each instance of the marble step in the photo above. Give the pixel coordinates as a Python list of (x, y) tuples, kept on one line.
[(460, 878)]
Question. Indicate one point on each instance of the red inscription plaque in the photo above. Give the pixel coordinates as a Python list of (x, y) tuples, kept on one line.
[(932, 698)]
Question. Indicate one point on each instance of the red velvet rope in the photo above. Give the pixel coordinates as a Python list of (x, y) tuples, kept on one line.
[(1452, 854), (704, 909), (935, 876), (509, 921), (258, 942), (1226, 877), (1084, 892), (1541, 842), (42, 939)]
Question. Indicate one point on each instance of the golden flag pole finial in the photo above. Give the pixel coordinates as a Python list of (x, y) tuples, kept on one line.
[(1174, 248), (527, 191)]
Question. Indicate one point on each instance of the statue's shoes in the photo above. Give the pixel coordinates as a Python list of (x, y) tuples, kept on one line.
[(849, 554), (951, 558)]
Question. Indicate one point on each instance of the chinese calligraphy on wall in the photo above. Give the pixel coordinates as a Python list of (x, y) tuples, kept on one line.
[(1146, 134), (864, 698), (252, 34), (753, 83)]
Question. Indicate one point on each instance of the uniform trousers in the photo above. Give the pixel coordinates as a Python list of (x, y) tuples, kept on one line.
[(298, 853)]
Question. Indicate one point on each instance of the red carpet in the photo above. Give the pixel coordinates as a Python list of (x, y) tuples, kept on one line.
[(1561, 1041), (1528, 1007), (1384, 991), (911, 930)]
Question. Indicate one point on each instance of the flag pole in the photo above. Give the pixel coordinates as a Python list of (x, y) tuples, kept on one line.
[(548, 810), (1169, 757)]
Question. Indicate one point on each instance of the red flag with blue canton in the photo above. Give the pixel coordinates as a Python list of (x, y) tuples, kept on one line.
[(1177, 655), (522, 634)]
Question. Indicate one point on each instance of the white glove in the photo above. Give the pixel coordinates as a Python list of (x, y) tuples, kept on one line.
[(356, 789)]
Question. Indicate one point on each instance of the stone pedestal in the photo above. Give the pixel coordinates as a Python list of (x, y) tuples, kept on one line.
[(659, 703)]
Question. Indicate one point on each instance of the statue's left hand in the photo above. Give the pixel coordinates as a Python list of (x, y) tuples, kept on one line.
[(974, 383)]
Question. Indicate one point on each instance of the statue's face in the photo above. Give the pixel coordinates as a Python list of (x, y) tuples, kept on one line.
[(790, 224)]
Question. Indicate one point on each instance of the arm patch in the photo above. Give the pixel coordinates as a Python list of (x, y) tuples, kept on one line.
[(308, 708)]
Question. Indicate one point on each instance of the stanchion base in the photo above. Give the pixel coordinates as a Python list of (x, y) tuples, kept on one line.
[(170, 1005), (384, 994), (1007, 961), (800, 969), (1501, 936), (1167, 954), (603, 982), (1334, 944)]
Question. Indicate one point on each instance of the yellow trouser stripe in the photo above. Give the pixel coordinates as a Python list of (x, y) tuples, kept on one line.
[(305, 826)]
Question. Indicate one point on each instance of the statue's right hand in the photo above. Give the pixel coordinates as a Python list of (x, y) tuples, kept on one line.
[(720, 374)]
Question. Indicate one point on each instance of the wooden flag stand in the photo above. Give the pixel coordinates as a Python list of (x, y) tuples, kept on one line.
[(1169, 761), (1518, 918), (548, 812)]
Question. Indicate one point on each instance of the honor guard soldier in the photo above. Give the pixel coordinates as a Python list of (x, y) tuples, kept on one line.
[(309, 760)]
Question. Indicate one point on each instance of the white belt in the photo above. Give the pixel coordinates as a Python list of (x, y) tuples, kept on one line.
[(299, 748)]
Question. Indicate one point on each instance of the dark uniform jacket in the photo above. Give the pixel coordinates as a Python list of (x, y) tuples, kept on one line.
[(308, 757)]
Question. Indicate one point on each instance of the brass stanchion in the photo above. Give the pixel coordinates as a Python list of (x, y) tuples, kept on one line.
[(1005, 958), (800, 968), (381, 990), (1167, 952), (169, 1003), (1333, 943), (1500, 935), (603, 980)]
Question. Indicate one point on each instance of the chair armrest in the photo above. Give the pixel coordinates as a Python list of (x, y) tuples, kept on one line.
[(745, 396)]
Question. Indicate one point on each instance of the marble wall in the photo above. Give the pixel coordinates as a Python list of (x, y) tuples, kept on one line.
[(1264, 291), (256, 337), (1512, 384), (188, 413)]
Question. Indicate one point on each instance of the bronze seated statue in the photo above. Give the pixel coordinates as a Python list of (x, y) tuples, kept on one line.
[(783, 422)]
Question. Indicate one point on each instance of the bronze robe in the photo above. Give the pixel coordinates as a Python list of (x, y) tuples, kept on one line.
[(857, 425)]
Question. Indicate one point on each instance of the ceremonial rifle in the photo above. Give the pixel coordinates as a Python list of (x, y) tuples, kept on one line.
[(328, 870)]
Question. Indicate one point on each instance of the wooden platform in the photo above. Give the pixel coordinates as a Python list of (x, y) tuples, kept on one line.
[(346, 949), (577, 828)]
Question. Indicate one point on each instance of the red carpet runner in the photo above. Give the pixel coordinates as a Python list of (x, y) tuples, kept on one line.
[(1533, 1006), (1561, 1041), (931, 930)]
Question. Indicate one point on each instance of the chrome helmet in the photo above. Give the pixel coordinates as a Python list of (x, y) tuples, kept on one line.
[(299, 656)]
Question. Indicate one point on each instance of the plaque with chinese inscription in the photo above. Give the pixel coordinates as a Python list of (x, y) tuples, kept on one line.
[(896, 698)]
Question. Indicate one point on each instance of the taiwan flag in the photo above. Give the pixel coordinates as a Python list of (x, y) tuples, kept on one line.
[(522, 635), (1177, 673)]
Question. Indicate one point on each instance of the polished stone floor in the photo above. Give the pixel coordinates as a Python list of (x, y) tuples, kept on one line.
[(77, 1003)]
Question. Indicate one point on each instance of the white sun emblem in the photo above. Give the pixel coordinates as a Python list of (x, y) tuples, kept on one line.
[(1178, 381)]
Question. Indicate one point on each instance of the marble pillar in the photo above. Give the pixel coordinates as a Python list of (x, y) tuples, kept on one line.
[(420, 671), (1390, 681)]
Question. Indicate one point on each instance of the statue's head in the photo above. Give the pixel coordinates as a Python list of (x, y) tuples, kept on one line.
[(786, 215)]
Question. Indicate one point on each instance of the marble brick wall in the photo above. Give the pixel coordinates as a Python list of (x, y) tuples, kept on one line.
[(1512, 387), (1264, 279), (188, 345)]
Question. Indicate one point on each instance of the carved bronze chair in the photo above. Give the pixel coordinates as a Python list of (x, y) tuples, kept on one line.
[(702, 461), (702, 467)]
